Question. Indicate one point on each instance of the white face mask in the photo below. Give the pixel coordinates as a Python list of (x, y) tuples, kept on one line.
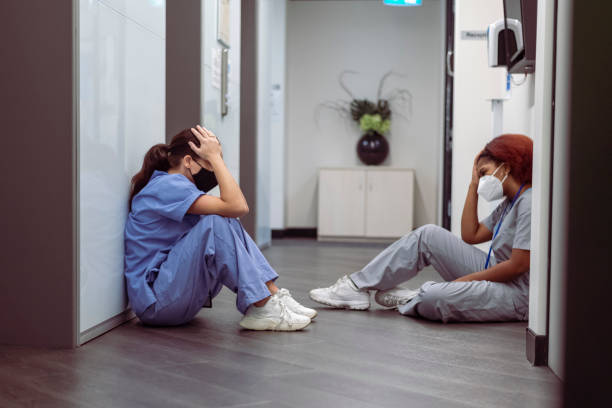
[(490, 187)]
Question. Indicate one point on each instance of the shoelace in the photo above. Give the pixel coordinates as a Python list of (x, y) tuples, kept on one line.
[(285, 296), (284, 314), (284, 293), (335, 286)]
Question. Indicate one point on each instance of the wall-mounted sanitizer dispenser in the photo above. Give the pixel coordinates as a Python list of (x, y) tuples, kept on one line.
[(497, 45)]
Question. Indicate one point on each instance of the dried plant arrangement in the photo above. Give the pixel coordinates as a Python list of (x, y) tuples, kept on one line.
[(378, 112), (373, 118)]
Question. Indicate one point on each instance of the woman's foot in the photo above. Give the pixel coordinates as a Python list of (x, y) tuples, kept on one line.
[(395, 296), (274, 315), (294, 306), (342, 294)]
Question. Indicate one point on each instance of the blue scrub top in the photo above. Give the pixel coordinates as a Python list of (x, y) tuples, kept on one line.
[(157, 220)]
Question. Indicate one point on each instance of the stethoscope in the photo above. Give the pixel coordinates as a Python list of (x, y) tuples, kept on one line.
[(500, 223)]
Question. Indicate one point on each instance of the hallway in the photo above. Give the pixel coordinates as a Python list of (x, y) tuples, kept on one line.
[(344, 359)]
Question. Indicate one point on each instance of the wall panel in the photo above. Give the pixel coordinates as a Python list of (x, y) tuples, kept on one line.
[(122, 109)]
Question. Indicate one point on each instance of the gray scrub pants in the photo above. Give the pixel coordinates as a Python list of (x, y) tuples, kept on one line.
[(447, 301)]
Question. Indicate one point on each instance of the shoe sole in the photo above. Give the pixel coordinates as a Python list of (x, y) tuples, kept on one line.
[(343, 305), (391, 305), (386, 305), (381, 303), (270, 325)]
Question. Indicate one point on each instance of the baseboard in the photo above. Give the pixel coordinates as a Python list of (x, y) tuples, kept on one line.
[(357, 240), (294, 233), (105, 326), (536, 348)]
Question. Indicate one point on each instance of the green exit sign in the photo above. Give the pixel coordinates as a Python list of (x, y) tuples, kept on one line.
[(403, 2)]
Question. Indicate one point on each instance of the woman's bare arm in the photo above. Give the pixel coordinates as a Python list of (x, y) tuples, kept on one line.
[(504, 271)]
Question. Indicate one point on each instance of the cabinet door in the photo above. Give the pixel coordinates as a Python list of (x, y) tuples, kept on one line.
[(341, 203), (389, 203)]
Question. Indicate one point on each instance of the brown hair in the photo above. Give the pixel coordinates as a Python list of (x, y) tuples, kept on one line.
[(163, 157), (513, 149)]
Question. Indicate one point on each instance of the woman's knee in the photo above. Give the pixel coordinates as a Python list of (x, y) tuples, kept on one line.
[(429, 231), (429, 236), (421, 231), (214, 218), (207, 222)]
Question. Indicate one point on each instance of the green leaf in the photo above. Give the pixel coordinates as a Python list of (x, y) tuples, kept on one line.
[(375, 123)]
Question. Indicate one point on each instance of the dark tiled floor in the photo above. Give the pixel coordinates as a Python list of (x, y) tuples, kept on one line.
[(376, 358)]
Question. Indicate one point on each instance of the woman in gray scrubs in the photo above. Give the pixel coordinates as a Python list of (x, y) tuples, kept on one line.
[(479, 286)]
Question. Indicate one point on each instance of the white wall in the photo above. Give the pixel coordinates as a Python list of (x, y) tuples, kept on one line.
[(122, 110), (227, 128), (325, 38), (271, 18), (474, 84)]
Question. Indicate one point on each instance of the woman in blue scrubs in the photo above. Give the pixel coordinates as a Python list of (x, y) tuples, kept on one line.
[(182, 245)]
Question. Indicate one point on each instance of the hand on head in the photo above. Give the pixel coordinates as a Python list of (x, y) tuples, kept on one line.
[(475, 174), (209, 148)]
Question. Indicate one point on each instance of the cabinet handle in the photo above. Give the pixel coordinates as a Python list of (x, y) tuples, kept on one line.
[(370, 187)]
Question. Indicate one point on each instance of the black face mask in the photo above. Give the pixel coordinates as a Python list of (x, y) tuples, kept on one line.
[(205, 180)]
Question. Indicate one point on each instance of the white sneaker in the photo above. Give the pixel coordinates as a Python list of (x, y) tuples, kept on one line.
[(342, 294), (395, 296), (293, 305), (274, 315)]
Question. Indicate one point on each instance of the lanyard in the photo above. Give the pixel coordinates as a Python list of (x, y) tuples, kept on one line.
[(500, 223)]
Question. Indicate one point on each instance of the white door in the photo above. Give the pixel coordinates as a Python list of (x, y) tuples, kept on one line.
[(389, 203), (341, 203)]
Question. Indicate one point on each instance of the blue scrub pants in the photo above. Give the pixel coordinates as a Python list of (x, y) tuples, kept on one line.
[(476, 301), (215, 252)]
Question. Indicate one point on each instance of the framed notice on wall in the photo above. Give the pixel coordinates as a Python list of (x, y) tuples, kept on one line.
[(223, 22)]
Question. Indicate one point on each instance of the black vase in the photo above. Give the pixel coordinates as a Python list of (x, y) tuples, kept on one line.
[(372, 148)]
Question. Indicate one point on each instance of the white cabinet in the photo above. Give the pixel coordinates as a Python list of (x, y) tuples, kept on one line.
[(388, 209), (365, 203), (341, 203)]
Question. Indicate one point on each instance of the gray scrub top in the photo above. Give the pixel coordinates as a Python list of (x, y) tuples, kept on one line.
[(515, 231)]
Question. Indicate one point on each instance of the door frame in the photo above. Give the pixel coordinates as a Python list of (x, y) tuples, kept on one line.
[(248, 113), (447, 152)]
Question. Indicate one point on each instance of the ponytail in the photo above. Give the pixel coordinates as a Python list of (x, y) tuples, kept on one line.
[(163, 157), (155, 159)]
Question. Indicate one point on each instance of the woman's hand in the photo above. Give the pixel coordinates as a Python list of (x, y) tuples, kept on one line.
[(210, 148), (473, 231), (475, 175), (231, 202)]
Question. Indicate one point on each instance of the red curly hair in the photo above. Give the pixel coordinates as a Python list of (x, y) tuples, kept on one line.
[(513, 149)]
